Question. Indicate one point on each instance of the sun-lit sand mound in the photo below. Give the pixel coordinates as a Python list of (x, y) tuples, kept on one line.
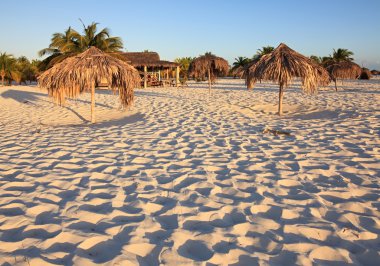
[(188, 178)]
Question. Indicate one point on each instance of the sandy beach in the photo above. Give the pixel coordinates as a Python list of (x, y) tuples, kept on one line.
[(184, 178)]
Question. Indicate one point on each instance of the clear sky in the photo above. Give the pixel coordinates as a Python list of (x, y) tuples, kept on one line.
[(178, 28)]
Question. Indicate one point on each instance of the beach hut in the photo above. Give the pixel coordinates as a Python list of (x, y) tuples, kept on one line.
[(208, 65), (83, 72), (365, 74), (344, 70), (284, 64), (150, 63)]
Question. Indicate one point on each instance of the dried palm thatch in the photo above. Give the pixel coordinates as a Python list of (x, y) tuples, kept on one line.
[(365, 74), (210, 66), (375, 72), (284, 64), (82, 73), (243, 72), (149, 59), (344, 70)]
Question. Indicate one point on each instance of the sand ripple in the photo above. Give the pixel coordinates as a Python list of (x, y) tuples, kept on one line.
[(184, 178)]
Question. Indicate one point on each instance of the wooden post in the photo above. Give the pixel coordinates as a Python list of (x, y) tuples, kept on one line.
[(209, 81), (280, 96), (177, 76), (336, 88), (159, 75), (93, 103), (145, 77)]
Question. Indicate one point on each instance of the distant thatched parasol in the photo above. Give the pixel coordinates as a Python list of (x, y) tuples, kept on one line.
[(375, 72), (344, 70), (365, 74), (82, 73), (243, 72), (209, 65), (282, 65)]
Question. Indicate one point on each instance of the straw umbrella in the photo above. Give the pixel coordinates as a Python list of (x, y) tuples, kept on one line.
[(82, 73), (209, 65), (344, 70), (375, 72), (282, 65), (365, 74), (243, 72)]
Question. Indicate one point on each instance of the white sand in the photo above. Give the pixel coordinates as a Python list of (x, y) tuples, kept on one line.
[(184, 178)]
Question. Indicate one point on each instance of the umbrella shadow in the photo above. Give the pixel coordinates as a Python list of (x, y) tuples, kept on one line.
[(29, 97)]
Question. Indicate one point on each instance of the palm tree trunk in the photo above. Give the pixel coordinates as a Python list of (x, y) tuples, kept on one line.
[(280, 96), (93, 103), (209, 81)]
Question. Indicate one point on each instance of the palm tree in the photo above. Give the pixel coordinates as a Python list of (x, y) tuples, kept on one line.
[(239, 66), (7, 62), (264, 50), (71, 42), (316, 59), (184, 63), (340, 55), (240, 61)]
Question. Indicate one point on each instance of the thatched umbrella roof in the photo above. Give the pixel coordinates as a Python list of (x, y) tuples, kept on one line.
[(365, 74), (208, 65), (83, 72), (375, 72), (149, 59), (284, 64), (344, 70)]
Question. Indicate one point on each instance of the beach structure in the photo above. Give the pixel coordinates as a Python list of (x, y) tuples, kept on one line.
[(375, 72), (208, 65), (150, 65), (284, 64), (344, 70), (82, 73), (366, 74)]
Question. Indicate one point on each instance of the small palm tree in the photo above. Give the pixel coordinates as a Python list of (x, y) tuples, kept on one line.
[(265, 50), (340, 55), (239, 66), (240, 61), (184, 63), (316, 59), (7, 63)]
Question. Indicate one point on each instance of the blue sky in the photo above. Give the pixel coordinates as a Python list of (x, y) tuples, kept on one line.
[(178, 28)]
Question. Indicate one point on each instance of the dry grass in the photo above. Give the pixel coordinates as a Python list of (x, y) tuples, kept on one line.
[(80, 73)]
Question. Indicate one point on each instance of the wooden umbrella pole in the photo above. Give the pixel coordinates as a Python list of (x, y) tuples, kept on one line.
[(336, 88), (209, 81), (93, 103), (280, 96)]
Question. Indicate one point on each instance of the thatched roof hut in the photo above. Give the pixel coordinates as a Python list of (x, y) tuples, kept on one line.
[(149, 59), (208, 65), (365, 74), (83, 72), (344, 70), (375, 72), (284, 64)]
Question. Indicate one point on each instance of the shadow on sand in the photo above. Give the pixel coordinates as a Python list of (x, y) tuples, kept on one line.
[(31, 97)]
